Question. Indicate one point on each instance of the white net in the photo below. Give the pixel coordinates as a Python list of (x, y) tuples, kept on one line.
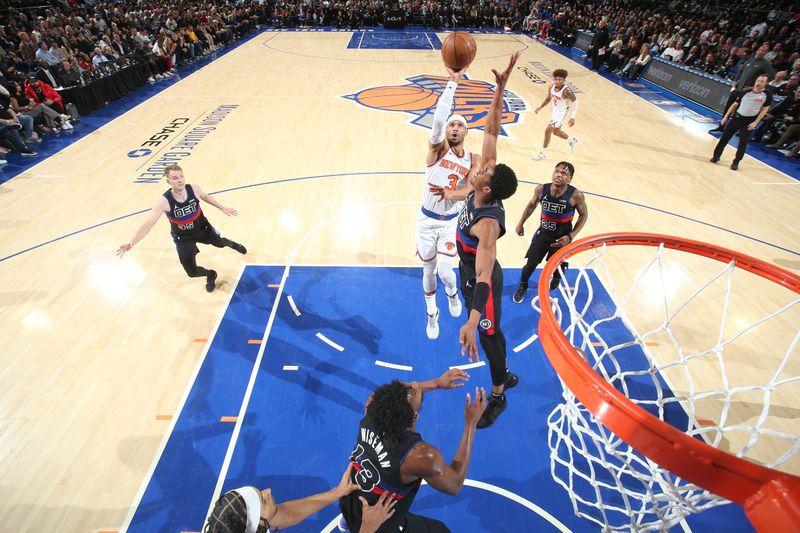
[(705, 346)]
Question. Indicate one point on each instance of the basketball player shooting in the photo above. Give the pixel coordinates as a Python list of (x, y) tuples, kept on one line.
[(449, 166), (563, 100), (480, 223), (188, 225)]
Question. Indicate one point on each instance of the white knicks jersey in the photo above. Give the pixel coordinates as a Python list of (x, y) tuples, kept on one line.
[(560, 102), (450, 172)]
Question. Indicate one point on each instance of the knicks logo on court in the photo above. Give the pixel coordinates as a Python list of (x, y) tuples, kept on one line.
[(418, 98)]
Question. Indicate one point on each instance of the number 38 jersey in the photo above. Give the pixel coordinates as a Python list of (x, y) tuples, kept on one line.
[(449, 171), (376, 470)]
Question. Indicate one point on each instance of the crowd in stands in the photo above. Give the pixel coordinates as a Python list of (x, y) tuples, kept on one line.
[(44, 49), (718, 37), (68, 41)]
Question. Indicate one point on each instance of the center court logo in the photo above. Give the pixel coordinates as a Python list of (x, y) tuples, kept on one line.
[(419, 97)]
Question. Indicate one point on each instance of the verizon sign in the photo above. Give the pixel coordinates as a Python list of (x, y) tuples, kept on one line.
[(710, 92)]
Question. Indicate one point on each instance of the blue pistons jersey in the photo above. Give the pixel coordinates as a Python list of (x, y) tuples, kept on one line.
[(467, 244), (557, 212)]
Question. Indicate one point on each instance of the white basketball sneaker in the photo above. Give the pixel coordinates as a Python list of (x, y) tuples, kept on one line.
[(454, 304), (432, 327), (573, 143), (541, 155)]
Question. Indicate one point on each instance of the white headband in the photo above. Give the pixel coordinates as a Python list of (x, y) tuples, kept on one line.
[(252, 500), (458, 118)]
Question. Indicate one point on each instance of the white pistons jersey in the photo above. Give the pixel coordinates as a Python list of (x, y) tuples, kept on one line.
[(450, 172)]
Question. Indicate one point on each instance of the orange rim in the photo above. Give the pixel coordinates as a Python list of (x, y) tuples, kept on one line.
[(719, 472)]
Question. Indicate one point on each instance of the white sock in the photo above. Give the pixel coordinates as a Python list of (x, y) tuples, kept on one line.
[(430, 303)]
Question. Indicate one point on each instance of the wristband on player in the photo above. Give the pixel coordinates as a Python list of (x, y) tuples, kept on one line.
[(480, 296)]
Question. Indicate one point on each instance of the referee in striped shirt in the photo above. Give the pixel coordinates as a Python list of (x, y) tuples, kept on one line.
[(747, 111)]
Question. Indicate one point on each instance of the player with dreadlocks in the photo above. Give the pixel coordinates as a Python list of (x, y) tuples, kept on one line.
[(390, 457)]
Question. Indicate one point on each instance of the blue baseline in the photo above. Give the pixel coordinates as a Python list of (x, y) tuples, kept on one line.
[(395, 40), (300, 426)]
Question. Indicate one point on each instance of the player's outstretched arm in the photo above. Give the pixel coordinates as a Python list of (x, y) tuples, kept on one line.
[(573, 106), (230, 211), (529, 209), (293, 512), (492, 128), (426, 461), (452, 379), (546, 100), (444, 106), (160, 208), (487, 230)]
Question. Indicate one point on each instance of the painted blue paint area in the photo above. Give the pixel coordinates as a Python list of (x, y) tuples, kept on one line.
[(683, 108), (395, 40), (180, 489), (300, 426), (55, 142)]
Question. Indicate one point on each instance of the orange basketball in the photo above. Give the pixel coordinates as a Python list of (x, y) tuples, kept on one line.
[(458, 50)]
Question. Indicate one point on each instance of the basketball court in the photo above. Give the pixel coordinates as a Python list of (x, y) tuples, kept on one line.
[(133, 397)]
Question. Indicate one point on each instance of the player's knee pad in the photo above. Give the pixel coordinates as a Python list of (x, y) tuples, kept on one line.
[(445, 270), (429, 276)]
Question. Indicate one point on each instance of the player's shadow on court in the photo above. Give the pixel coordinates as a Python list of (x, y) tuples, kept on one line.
[(355, 327), (184, 478), (323, 386)]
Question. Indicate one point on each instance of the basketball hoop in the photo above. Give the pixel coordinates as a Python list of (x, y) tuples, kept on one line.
[(660, 417)]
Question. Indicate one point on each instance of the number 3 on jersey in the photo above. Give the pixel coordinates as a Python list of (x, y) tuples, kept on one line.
[(367, 475), (453, 181)]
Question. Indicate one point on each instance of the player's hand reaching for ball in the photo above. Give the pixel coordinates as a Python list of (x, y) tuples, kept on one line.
[(474, 410), (452, 379), (466, 336), (456, 75), (502, 77), (230, 211)]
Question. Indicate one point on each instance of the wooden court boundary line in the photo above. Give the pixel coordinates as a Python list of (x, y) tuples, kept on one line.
[(178, 410), (389, 173)]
